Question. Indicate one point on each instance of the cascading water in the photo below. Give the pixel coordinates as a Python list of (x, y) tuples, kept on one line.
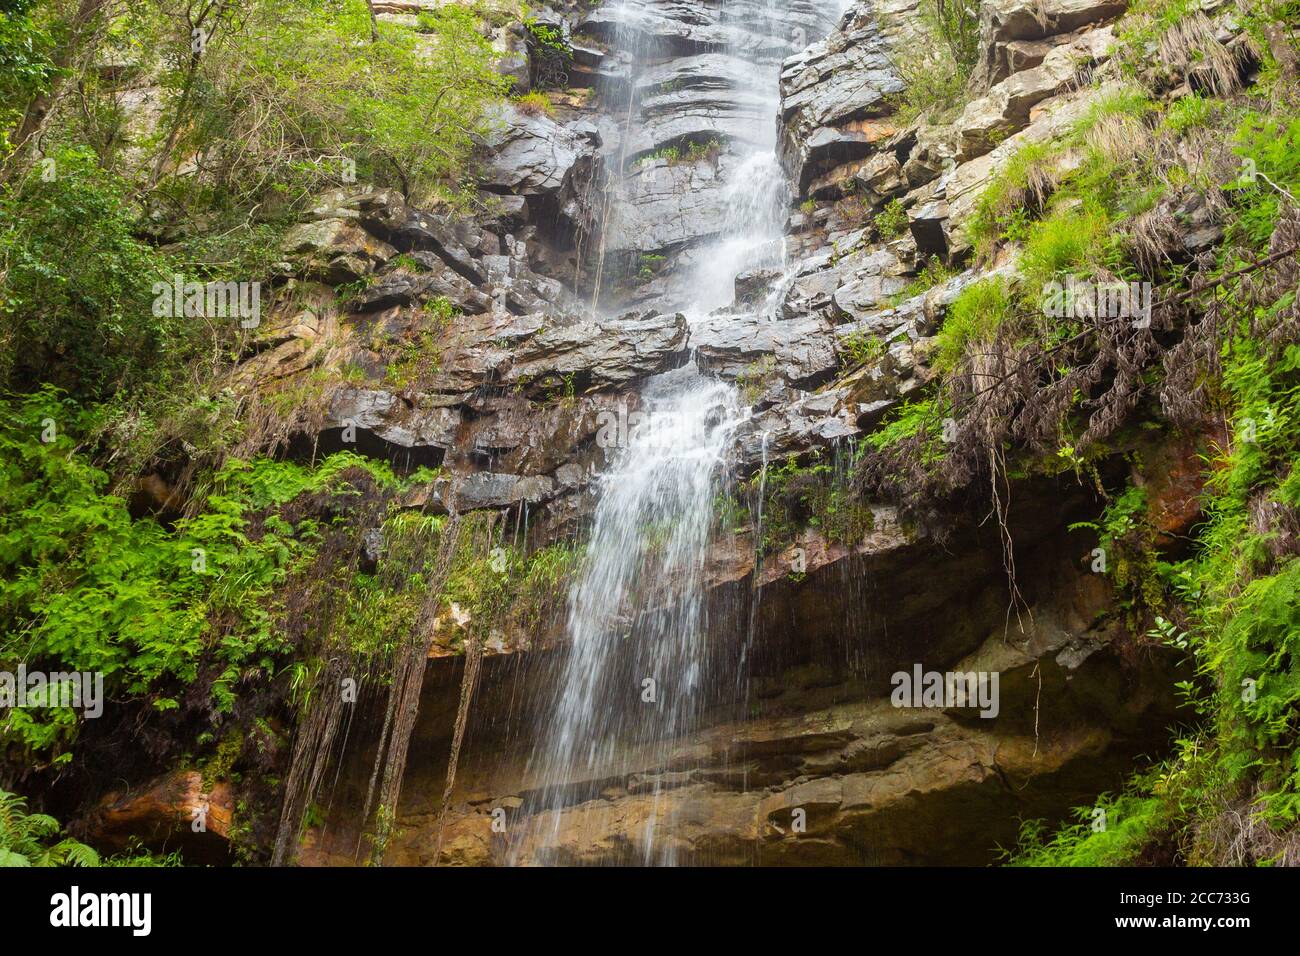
[(632, 680), (637, 670)]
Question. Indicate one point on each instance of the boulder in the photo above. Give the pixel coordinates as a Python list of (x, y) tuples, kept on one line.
[(391, 419), (431, 278), (483, 489), (880, 178), (179, 810), (1004, 22), (1005, 109), (868, 282), (733, 346), (334, 250), (599, 353), (553, 166), (939, 211)]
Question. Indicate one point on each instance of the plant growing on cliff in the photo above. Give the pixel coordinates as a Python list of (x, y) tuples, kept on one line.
[(418, 361), (891, 221), (755, 378), (76, 284), (1230, 793), (550, 55), (934, 272), (312, 84), (535, 104), (972, 320), (1127, 554), (88, 588), (936, 64), (860, 348), (813, 494)]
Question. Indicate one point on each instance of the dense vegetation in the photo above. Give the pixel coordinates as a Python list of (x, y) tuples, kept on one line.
[(190, 608), (1051, 394)]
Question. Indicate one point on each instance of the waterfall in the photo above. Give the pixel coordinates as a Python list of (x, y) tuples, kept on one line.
[(636, 672), (632, 680)]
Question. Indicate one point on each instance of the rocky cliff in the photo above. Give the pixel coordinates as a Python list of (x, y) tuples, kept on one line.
[(494, 349)]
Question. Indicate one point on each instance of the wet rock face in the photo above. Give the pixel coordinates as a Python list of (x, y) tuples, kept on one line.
[(164, 814), (833, 98), (704, 94), (552, 376), (800, 351), (664, 30), (551, 166), (830, 762), (675, 204), (335, 250)]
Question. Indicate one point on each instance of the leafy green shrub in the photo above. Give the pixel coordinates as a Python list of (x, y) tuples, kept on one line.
[(936, 70), (76, 285), (1269, 146), (912, 420), (1189, 112), (84, 587), (892, 220), (550, 54), (313, 94), (535, 104), (25, 65), (1070, 241)]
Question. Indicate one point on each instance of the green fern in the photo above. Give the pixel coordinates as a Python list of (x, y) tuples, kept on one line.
[(25, 838)]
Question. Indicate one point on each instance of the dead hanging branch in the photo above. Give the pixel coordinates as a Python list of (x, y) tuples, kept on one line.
[(463, 539), (404, 694), (468, 684), (309, 611), (312, 749)]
